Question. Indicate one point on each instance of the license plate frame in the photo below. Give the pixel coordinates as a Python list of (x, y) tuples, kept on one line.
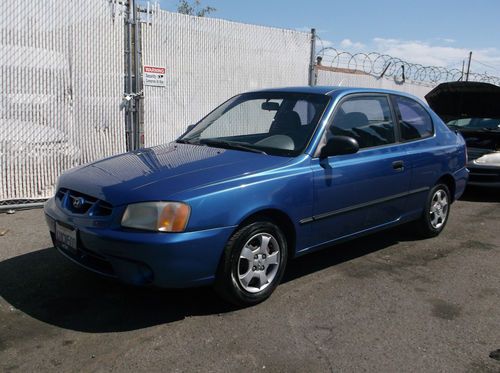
[(66, 238)]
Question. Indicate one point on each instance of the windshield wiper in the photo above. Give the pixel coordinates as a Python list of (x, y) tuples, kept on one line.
[(184, 141), (230, 145)]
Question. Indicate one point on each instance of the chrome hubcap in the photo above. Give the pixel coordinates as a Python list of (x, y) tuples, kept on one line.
[(258, 263), (439, 209)]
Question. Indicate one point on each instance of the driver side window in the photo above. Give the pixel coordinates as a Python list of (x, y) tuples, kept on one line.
[(367, 119)]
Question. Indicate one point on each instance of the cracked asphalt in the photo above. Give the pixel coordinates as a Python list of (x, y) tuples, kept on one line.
[(389, 302)]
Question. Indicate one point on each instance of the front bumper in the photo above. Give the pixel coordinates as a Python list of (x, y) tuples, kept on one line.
[(171, 260), (483, 175)]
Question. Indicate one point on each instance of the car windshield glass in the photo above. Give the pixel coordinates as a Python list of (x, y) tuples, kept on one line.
[(276, 123), (475, 123)]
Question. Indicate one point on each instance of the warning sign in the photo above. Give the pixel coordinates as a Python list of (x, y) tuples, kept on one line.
[(154, 76)]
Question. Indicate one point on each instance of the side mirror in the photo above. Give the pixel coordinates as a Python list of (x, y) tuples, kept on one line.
[(339, 145)]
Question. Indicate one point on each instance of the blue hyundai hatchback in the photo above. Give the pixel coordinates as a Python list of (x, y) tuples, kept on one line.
[(265, 177)]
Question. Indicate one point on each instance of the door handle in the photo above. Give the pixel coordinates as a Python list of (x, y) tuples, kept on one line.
[(398, 165)]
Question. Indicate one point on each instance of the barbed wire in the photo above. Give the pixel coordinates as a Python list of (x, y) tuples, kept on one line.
[(383, 65)]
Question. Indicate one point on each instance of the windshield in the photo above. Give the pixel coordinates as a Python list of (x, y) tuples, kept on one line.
[(264, 122), (475, 123)]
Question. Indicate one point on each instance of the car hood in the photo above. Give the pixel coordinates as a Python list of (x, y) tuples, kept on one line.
[(160, 172), (455, 100)]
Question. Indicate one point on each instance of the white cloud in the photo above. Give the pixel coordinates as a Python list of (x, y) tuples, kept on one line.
[(447, 40), (351, 45), (321, 43)]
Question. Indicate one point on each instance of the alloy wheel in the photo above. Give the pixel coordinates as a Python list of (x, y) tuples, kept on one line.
[(439, 209), (258, 263)]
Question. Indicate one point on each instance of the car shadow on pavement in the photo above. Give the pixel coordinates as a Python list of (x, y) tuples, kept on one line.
[(347, 251), (477, 194), (49, 288)]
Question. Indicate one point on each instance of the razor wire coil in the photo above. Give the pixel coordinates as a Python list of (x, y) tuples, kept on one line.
[(378, 64)]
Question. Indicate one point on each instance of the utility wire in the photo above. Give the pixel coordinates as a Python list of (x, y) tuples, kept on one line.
[(486, 65)]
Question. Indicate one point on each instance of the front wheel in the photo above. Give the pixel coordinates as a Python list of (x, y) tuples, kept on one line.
[(436, 212), (253, 264)]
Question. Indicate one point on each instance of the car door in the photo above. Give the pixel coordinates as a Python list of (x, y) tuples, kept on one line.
[(426, 154), (357, 192)]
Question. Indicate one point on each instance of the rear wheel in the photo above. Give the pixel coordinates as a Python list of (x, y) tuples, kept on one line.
[(436, 212), (253, 264)]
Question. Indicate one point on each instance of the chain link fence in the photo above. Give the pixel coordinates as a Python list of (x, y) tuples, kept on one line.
[(72, 92)]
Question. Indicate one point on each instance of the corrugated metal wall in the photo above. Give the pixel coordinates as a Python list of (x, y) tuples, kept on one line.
[(208, 61), (336, 78), (61, 76)]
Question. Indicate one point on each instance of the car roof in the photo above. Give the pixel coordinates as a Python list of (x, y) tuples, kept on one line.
[(335, 90)]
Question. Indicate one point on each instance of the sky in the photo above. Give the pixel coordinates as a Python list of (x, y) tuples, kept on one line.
[(428, 32)]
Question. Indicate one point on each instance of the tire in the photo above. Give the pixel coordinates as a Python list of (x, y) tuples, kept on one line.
[(436, 211), (253, 264)]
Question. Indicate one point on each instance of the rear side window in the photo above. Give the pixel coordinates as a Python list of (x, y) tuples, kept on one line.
[(414, 121), (368, 119)]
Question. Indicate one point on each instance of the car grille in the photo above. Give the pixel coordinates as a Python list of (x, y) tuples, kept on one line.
[(79, 203)]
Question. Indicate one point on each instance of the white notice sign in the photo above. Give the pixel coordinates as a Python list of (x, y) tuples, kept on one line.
[(155, 76)]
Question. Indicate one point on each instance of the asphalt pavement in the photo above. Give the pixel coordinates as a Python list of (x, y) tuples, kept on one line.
[(389, 302)]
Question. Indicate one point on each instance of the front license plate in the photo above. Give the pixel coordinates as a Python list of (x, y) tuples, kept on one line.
[(66, 238)]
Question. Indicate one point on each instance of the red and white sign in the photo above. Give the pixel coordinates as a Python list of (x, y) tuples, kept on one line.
[(154, 69), (154, 76)]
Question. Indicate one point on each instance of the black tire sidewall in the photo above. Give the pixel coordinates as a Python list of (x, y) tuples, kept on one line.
[(229, 286)]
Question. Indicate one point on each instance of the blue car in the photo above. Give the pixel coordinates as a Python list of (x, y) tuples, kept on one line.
[(266, 177)]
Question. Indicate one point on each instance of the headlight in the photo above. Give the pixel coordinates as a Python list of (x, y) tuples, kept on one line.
[(492, 159), (157, 216)]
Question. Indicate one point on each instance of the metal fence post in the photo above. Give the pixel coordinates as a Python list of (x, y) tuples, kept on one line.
[(133, 63), (129, 108), (138, 89), (312, 62)]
